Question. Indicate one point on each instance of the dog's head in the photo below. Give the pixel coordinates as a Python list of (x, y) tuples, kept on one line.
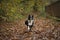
[(30, 17)]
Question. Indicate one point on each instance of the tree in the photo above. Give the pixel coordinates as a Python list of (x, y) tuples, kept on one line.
[(16, 9)]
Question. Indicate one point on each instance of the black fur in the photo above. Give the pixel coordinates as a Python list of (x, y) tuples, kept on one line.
[(30, 17)]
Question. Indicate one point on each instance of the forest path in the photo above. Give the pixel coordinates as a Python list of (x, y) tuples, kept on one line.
[(43, 29)]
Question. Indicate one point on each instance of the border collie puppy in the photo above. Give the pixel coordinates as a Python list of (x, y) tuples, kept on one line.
[(29, 22)]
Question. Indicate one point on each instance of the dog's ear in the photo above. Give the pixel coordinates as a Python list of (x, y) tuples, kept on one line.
[(32, 17), (29, 16)]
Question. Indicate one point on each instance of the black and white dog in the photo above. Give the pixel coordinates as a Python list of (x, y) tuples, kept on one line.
[(29, 22)]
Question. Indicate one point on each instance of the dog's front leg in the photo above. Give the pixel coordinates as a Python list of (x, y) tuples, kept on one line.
[(28, 28)]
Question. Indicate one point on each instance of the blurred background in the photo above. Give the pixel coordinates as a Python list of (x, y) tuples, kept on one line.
[(11, 10), (13, 14)]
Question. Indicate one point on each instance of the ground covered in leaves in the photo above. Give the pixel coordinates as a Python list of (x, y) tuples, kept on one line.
[(43, 29)]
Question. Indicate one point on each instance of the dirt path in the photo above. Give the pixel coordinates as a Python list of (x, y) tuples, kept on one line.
[(44, 29)]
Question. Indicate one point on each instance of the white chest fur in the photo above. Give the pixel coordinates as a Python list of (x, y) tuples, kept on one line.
[(30, 22)]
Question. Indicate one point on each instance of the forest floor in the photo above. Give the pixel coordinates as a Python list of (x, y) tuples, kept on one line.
[(43, 29)]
